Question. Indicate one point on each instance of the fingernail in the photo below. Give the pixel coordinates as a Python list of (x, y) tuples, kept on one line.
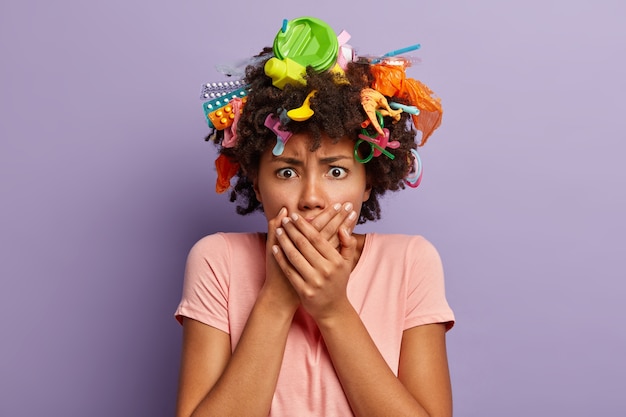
[(282, 211), (275, 249), (279, 231), (294, 216), (337, 206), (285, 220), (352, 215), (348, 207)]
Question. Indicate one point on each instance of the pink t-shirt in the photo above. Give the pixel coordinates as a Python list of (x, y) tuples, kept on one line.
[(397, 284)]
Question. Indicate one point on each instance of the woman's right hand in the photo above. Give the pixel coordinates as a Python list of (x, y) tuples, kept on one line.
[(277, 287)]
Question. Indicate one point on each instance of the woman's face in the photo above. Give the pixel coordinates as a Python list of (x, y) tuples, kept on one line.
[(307, 182)]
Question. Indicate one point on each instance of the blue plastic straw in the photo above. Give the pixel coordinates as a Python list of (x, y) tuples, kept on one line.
[(398, 52), (403, 50)]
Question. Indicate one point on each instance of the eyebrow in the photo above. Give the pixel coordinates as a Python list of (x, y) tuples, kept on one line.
[(298, 162)]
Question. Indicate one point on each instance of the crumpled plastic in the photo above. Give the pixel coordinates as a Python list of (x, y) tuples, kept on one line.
[(226, 170), (391, 81)]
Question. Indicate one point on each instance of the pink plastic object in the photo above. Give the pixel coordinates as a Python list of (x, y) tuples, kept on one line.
[(414, 178), (382, 141), (272, 122)]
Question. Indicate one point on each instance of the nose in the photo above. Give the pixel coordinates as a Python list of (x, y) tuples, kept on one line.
[(312, 195)]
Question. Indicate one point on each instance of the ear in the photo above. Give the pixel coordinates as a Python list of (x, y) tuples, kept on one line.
[(367, 192), (255, 186)]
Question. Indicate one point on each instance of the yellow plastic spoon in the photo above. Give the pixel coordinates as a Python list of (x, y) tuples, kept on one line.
[(303, 112)]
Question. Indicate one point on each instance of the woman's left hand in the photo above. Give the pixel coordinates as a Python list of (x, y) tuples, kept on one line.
[(317, 270)]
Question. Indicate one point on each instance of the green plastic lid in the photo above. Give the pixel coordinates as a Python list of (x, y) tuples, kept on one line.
[(307, 41)]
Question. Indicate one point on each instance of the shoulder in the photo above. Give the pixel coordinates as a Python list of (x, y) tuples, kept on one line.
[(423, 273), (399, 239), (214, 258), (412, 246), (225, 242), (219, 250), (212, 266), (414, 254)]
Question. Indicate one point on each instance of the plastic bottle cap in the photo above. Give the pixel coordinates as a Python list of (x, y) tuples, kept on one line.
[(284, 72), (307, 41)]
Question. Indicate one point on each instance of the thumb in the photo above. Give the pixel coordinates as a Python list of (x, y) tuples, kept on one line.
[(348, 243)]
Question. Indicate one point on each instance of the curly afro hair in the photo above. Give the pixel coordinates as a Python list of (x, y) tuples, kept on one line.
[(338, 113)]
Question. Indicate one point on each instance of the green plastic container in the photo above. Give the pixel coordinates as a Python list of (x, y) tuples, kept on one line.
[(307, 41)]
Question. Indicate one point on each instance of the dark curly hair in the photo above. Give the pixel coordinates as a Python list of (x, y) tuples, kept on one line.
[(337, 113)]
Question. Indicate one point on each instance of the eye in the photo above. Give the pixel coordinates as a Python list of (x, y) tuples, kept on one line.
[(285, 173), (337, 172)]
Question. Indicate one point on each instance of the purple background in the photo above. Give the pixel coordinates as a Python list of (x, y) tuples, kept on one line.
[(106, 182)]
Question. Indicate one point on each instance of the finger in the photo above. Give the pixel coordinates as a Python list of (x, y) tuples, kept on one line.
[(350, 221), (271, 265), (332, 226), (293, 251), (325, 216), (273, 224), (311, 244), (289, 271), (321, 221), (348, 243), (313, 256)]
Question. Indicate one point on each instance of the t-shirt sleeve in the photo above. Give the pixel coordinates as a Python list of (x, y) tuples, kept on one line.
[(206, 283), (426, 298)]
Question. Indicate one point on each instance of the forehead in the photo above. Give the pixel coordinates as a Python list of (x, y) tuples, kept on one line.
[(303, 146)]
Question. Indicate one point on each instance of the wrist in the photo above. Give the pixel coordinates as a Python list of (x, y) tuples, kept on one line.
[(275, 304), (336, 317)]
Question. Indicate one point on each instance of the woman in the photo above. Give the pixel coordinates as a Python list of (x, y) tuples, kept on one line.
[(310, 318)]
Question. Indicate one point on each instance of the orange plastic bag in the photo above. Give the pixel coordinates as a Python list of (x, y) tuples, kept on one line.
[(226, 170), (391, 81)]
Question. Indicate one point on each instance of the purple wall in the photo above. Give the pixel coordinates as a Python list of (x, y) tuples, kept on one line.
[(106, 182)]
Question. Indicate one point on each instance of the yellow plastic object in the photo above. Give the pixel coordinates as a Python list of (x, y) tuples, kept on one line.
[(339, 75), (285, 71), (303, 112)]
